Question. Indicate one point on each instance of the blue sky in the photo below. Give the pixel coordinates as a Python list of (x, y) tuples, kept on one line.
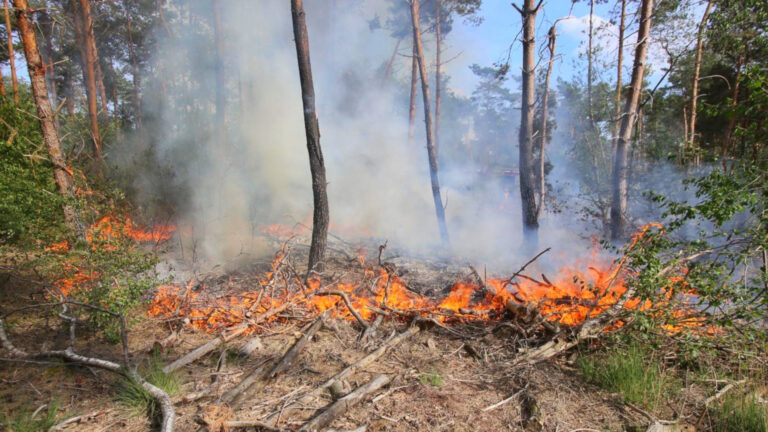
[(490, 41)]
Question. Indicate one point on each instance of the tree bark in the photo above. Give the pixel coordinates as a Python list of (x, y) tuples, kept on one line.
[(527, 181), (135, 73), (88, 61), (619, 73), (695, 84), (629, 115), (412, 106), (552, 40), (734, 103), (438, 43), (320, 217), (221, 109), (2, 84), (589, 62), (431, 152), (11, 57), (388, 70), (89, 37), (36, 70)]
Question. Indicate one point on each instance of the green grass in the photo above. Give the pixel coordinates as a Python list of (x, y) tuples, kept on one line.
[(739, 413), (631, 371), (136, 399), (25, 419), (432, 378)]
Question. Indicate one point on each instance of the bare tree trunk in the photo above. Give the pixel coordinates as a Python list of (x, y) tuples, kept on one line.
[(431, 152), (695, 85), (92, 53), (734, 103), (2, 84), (11, 57), (527, 183), (135, 73), (620, 165), (388, 70), (320, 217), (46, 25), (438, 43), (45, 112), (88, 61), (589, 62), (619, 73), (545, 115), (221, 109), (412, 106)]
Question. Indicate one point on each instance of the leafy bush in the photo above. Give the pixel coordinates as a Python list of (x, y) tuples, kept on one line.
[(30, 207)]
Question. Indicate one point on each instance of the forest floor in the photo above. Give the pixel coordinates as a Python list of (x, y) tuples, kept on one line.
[(459, 377)]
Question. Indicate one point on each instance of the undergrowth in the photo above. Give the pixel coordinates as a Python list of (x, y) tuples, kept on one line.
[(633, 371), (739, 413), (136, 399), (25, 419)]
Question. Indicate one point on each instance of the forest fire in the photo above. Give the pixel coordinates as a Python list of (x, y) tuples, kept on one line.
[(568, 299), (101, 235)]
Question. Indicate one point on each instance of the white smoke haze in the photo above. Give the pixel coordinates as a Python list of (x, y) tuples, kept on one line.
[(378, 183)]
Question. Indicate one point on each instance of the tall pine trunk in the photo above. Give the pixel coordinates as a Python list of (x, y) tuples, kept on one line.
[(320, 217), (527, 180), (45, 112), (221, 109), (695, 84), (388, 70), (619, 73), (412, 104), (727, 147), (88, 62), (135, 73), (629, 115), (11, 57), (551, 45), (438, 43), (431, 152)]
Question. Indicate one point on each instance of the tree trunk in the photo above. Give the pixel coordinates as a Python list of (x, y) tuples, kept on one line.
[(36, 70), (438, 43), (545, 115), (620, 183), (92, 53), (388, 70), (2, 84), (11, 57), (221, 113), (734, 103), (589, 62), (527, 181), (619, 73), (46, 26), (412, 105), (320, 217), (88, 61), (135, 73), (431, 152), (695, 85)]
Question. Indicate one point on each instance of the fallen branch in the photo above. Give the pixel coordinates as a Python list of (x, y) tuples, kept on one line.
[(206, 348), (78, 419), (348, 303), (722, 392), (360, 364), (502, 402), (334, 410), (522, 269), (256, 380), (160, 396)]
